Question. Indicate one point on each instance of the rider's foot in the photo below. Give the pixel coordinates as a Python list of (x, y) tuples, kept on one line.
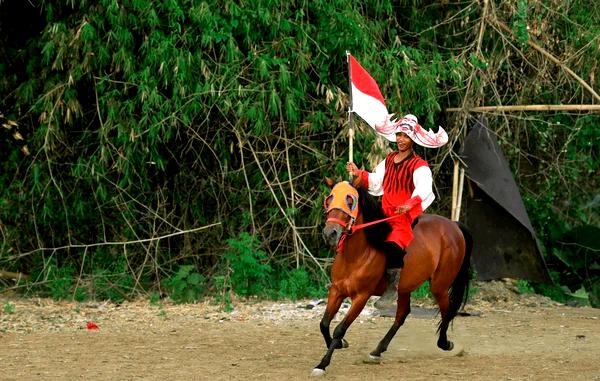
[(390, 296)]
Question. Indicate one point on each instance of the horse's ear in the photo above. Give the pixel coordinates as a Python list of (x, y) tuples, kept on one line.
[(330, 183), (356, 182)]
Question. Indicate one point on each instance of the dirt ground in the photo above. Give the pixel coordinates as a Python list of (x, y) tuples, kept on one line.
[(505, 337)]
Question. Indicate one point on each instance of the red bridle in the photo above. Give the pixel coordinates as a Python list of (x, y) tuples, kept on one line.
[(345, 225), (347, 230)]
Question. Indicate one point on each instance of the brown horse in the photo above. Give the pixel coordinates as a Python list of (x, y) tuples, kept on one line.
[(440, 252)]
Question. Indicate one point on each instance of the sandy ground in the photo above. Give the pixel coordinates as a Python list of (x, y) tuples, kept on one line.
[(504, 338)]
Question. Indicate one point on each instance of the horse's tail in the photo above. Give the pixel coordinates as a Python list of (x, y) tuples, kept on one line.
[(459, 291)]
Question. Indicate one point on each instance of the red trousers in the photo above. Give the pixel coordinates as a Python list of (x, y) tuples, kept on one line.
[(401, 232)]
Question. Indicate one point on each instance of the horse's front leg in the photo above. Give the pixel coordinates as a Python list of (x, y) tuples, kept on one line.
[(334, 301), (358, 303)]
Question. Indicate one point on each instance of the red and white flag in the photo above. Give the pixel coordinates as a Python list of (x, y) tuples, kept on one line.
[(369, 104), (367, 100)]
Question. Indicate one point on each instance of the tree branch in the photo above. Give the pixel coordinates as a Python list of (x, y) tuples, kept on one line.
[(548, 55), (15, 257)]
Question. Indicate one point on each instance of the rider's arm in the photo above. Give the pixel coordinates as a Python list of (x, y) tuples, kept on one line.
[(374, 179), (423, 180)]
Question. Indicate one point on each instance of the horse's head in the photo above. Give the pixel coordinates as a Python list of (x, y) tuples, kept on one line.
[(341, 208)]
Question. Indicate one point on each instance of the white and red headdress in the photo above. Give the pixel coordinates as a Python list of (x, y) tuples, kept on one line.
[(411, 127)]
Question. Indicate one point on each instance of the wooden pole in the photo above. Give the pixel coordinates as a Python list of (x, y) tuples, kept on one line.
[(12, 275), (454, 190), (585, 107), (350, 120), (460, 192)]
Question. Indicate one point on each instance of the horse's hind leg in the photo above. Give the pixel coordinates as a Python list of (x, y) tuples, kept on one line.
[(443, 301), (401, 313)]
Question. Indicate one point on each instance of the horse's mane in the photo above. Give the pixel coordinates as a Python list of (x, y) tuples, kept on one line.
[(372, 211)]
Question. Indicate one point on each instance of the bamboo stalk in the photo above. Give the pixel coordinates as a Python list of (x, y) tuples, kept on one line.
[(460, 192), (12, 275), (454, 190), (583, 107), (350, 120)]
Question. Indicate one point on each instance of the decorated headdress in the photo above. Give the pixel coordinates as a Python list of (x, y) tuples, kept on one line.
[(411, 127)]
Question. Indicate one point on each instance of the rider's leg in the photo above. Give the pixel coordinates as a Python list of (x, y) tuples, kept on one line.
[(395, 262)]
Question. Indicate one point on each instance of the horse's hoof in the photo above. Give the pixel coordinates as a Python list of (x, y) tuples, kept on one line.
[(342, 344), (317, 372), (373, 360), (447, 346)]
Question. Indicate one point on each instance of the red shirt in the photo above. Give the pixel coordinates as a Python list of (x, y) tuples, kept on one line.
[(398, 184)]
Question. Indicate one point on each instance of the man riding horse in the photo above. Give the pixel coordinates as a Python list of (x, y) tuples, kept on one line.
[(405, 181)]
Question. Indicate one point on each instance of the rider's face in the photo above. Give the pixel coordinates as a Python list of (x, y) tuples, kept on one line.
[(403, 141)]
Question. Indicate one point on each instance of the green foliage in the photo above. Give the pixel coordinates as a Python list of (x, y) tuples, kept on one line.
[(154, 298), (222, 297), (186, 285), (577, 259), (580, 296), (520, 27), (140, 119), (59, 280), (554, 292), (297, 284), (525, 287), (473, 290), (8, 308), (81, 294), (422, 292), (109, 285), (250, 272)]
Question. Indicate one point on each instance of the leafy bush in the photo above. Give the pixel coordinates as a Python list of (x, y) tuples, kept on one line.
[(8, 308), (109, 284), (248, 266), (297, 284), (422, 292), (222, 295), (60, 280), (186, 285), (525, 287)]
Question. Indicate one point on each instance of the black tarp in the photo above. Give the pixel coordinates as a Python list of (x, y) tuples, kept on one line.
[(505, 243)]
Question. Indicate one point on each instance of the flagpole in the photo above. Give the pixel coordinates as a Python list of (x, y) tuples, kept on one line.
[(350, 120)]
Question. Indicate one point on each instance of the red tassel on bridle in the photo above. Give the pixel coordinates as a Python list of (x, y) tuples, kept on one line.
[(340, 246), (347, 229)]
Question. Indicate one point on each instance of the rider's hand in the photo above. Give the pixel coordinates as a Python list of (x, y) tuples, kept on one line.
[(402, 209), (352, 168)]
